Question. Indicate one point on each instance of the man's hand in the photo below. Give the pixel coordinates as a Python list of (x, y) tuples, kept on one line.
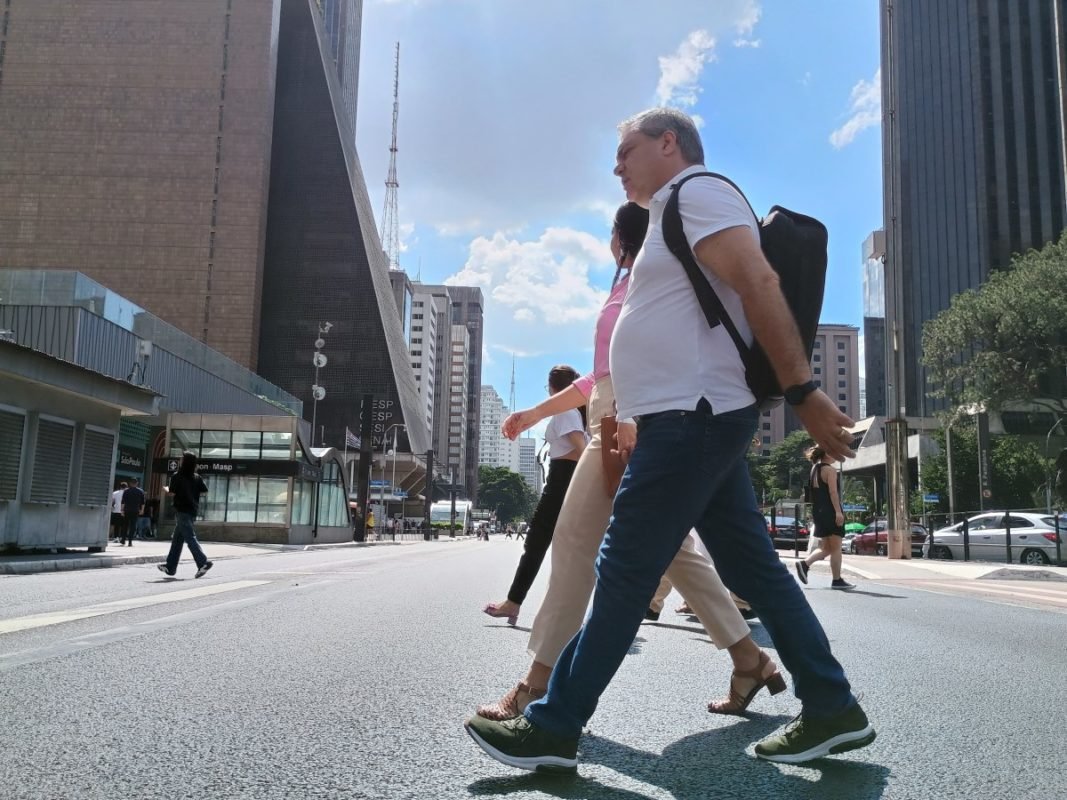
[(827, 424), (625, 441), (518, 422)]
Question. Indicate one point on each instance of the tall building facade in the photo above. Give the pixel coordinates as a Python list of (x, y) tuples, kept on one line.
[(429, 314), (468, 310), (199, 159), (974, 165), (529, 468), (834, 368), (495, 450), (454, 455), (135, 148), (874, 377)]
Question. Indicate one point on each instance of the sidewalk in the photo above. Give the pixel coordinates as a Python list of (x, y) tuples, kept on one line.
[(875, 568), (154, 551)]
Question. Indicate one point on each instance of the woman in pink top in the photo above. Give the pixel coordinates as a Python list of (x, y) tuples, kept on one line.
[(584, 518)]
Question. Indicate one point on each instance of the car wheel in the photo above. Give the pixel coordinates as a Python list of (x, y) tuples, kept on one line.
[(881, 550), (1034, 558), (940, 551)]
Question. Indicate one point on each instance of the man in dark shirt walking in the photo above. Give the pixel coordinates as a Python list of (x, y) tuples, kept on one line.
[(186, 486), (132, 506)]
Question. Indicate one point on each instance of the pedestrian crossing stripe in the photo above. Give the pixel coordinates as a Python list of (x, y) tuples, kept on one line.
[(115, 606)]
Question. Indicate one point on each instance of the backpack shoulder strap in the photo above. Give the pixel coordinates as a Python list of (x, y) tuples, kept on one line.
[(674, 237)]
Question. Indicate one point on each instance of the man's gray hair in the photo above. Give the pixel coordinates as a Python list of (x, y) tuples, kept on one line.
[(656, 121)]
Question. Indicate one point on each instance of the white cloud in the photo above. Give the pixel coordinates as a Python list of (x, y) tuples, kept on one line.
[(679, 79), (865, 107), (753, 43), (749, 18)]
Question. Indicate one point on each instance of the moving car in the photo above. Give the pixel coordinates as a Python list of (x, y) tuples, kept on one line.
[(1033, 538), (874, 539), (782, 533)]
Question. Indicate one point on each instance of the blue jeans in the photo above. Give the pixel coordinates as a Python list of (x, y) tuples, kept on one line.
[(184, 534), (688, 470)]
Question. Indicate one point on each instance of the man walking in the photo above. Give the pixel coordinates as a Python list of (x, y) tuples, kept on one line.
[(684, 383), (132, 506), (186, 486)]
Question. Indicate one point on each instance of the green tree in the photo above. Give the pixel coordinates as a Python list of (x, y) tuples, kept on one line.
[(506, 493), (784, 472), (1001, 342), (1018, 471)]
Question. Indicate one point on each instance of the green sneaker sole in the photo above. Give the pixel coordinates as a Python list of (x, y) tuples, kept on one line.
[(842, 743), (556, 765)]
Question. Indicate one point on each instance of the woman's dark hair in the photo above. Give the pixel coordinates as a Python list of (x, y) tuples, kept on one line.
[(562, 376), (188, 467), (631, 221)]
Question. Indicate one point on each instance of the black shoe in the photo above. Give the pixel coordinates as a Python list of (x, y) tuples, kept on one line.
[(163, 568), (802, 572), (651, 615), (203, 570), (842, 584)]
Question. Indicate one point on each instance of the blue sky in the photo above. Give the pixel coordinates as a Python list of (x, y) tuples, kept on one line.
[(508, 114)]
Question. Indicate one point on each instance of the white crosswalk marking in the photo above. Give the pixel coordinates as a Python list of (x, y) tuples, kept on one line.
[(59, 617)]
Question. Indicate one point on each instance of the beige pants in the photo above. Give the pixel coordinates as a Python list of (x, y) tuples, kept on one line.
[(580, 529)]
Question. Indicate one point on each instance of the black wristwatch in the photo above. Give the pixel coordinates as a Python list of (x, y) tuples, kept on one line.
[(795, 395)]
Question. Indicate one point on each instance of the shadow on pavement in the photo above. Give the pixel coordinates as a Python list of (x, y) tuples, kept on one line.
[(708, 764), (876, 594)]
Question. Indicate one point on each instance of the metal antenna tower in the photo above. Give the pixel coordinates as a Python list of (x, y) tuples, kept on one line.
[(390, 233), (511, 397)]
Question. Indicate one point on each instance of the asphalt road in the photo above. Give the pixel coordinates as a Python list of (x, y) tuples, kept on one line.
[(347, 674)]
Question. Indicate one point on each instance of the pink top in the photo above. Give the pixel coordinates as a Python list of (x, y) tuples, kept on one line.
[(605, 324)]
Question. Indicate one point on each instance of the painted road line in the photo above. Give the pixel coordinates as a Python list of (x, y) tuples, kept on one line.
[(1031, 595), (59, 617)]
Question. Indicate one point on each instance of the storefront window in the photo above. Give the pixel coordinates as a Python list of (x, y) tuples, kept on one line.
[(303, 492), (180, 441), (246, 444), (213, 504), (277, 445), (216, 444), (241, 498), (273, 500)]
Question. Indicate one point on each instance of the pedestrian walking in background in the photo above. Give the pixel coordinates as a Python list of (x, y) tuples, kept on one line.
[(584, 518), (186, 486), (828, 516), (117, 520), (684, 382), (566, 440), (132, 506)]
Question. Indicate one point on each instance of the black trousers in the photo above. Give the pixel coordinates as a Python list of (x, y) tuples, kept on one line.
[(542, 526), (129, 527)]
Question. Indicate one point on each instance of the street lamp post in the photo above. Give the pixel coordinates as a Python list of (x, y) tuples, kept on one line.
[(317, 391), (385, 441), (1048, 469)]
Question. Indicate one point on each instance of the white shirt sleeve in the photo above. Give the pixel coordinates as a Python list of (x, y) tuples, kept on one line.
[(710, 205)]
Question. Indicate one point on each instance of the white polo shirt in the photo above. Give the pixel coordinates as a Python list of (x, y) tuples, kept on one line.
[(663, 354)]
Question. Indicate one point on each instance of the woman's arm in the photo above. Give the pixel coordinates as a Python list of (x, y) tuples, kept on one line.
[(523, 420), (577, 440), (835, 499)]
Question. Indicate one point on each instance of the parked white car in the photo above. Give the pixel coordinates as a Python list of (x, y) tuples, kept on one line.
[(1033, 538)]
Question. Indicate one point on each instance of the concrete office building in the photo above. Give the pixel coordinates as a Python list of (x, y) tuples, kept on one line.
[(973, 93), (494, 449), (874, 355), (835, 368), (468, 310), (454, 456), (199, 158), (429, 314), (529, 468)]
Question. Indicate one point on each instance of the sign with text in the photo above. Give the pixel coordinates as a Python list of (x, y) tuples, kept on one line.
[(244, 466)]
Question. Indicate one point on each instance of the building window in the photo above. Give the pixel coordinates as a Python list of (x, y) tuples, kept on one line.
[(840, 345), (766, 426), (12, 426), (840, 370), (816, 357), (818, 370), (818, 344), (273, 500), (841, 384), (766, 439), (98, 458), (843, 409), (277, 445), (842, 397), (840, 359), (246, 444), (51, 462)]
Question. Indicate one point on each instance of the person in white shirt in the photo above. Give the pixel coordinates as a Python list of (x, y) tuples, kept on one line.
[(566, 438), (117, 520), (684, 383)]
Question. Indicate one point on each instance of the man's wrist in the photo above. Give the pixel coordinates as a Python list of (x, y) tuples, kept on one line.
[(798, 393)]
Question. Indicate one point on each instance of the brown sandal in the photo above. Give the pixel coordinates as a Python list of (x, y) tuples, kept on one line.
[(512, 704), (737, 702)]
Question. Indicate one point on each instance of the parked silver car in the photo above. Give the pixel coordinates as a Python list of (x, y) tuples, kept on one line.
[(1033, 538)]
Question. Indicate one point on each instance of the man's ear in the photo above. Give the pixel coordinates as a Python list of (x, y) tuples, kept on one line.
[(669, 143)]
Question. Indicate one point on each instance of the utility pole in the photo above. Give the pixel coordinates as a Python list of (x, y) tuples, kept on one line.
[(898, 536), (390, 233)]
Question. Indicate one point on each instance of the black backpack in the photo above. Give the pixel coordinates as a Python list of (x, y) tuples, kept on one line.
[(795, 246)]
